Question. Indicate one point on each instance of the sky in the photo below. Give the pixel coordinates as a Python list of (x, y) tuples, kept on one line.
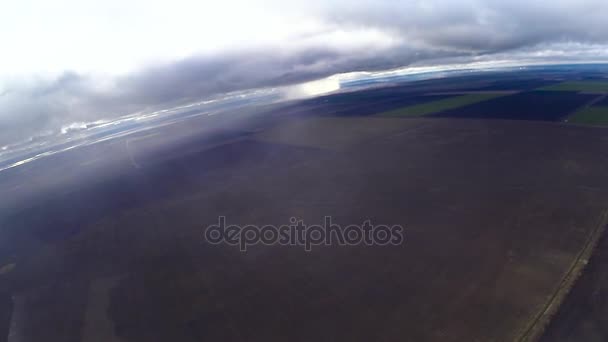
[(66, 61)]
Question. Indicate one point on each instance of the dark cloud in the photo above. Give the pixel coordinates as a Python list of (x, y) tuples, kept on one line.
[(194, 77), (40, 105), (481, 26)]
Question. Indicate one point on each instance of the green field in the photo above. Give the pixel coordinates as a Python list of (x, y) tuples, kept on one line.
[(440, 105), (591, 116), (590, 86)]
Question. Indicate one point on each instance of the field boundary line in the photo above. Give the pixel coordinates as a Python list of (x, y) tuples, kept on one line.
[(588, 105), (537, 327)]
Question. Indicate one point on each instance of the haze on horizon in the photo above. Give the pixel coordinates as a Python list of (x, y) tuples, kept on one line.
[(69, 60)]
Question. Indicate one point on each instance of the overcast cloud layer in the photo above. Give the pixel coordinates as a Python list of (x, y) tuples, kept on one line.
[(68, 60)]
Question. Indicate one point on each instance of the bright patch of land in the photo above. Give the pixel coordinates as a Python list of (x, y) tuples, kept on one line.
[(591, 116), (441, 105)]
